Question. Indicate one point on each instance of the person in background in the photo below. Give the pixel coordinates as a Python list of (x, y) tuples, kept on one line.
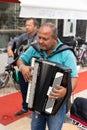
[(48, 43), (26, 38)]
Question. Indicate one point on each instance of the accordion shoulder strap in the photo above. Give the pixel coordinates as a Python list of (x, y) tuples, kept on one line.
[(61, 48), (64, 47), (37, 48)]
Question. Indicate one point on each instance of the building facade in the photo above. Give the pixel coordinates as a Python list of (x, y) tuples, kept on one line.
[(9, 21), (11, 25)]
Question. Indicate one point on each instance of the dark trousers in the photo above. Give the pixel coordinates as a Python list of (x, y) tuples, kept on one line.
[(23, 88)]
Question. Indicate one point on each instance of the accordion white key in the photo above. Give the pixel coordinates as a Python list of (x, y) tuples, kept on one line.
[(45, 76)]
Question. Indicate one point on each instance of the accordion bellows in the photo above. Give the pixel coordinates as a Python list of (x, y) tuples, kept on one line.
[(45, 76)]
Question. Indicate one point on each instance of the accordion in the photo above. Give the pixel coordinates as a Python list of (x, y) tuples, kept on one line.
[(45, 76)]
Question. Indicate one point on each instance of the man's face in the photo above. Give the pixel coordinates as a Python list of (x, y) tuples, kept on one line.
[(45, 39), (30, 27)]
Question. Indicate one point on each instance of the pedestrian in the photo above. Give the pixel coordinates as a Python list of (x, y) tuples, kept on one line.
[(48, 43), (30, 36)]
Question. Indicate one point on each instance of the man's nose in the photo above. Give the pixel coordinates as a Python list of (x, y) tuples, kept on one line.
[(27, 26)]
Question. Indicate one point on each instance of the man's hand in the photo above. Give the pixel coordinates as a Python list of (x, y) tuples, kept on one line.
[(26, 72), (58, 92), (10, 53)]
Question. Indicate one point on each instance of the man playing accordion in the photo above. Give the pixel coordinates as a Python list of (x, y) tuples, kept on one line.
[(48, 44)]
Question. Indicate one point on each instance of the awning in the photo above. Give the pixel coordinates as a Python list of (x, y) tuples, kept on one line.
[(13, 1), (54, 9)]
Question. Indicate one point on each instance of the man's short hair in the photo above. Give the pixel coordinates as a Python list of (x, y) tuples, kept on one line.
[(36, 23), (52, 26)]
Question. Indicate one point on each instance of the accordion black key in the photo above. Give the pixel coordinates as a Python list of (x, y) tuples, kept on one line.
[(45, 76)]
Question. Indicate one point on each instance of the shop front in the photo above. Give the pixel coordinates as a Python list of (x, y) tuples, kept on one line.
[(9, 21)]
